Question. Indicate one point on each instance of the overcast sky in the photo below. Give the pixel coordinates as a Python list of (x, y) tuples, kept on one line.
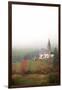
[(33, 25)]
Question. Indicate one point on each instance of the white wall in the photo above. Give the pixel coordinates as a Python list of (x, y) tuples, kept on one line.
[(4, 44)]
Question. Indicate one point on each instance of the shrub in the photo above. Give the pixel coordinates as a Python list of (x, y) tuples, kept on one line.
[(53, 78)]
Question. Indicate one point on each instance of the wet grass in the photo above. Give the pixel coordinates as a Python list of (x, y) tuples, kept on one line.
[(38, 73)]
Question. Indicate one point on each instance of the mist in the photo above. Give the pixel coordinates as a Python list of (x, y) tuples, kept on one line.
[(33, 26)]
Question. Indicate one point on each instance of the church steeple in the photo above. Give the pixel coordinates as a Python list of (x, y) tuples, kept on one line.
[(49, 45), (49, 49)]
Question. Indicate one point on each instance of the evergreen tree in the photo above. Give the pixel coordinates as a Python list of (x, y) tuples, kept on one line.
[(56, 59)]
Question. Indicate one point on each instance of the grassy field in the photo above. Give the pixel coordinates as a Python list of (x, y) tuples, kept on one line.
[(32, 73)]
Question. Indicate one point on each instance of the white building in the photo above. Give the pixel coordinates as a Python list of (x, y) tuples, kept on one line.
[(46, 53), (45, 56)]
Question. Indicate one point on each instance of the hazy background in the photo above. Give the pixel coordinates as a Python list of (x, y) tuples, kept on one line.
[(32, 26)]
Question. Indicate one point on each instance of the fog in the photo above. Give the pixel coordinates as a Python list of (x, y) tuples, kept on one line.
[(32, 26)]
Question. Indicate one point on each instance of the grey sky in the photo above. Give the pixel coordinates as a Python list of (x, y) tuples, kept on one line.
[(32, 26)]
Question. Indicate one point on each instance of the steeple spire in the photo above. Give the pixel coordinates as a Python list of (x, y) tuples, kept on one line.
[(49, 45), (49, 49)]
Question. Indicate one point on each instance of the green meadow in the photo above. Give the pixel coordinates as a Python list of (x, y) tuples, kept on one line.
[(36, 73)]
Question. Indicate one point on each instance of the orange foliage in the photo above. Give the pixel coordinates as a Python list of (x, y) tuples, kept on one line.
[(24, 66)]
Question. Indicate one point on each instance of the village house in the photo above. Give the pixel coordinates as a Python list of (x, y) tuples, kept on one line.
[(46, 53)]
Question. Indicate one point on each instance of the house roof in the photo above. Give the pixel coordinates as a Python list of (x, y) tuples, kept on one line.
[(43, 51)]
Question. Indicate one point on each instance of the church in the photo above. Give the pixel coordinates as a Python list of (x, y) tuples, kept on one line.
[(46, 53)]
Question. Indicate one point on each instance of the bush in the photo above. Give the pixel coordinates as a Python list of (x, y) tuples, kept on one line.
[(53, 79)]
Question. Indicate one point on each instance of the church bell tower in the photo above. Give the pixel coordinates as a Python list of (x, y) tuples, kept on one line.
[(49, 49)]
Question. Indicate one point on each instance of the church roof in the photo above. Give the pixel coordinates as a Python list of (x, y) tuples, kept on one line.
[(44, 51)]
